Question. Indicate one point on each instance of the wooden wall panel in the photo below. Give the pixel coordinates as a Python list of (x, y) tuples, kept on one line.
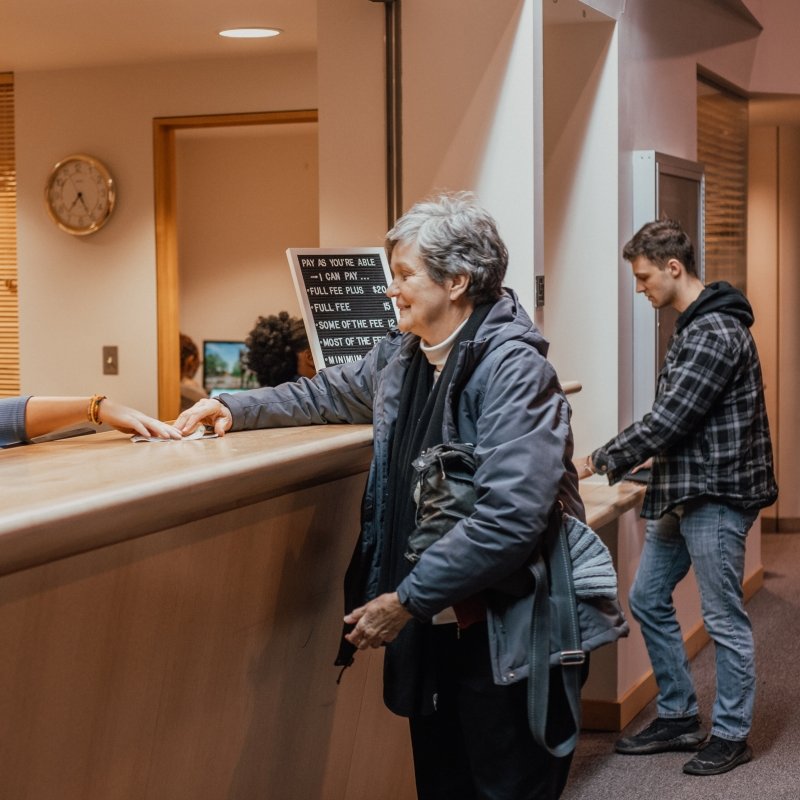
[(197, 663), (788, 322)]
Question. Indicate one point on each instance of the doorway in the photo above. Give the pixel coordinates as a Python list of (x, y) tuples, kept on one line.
[(165, 133)]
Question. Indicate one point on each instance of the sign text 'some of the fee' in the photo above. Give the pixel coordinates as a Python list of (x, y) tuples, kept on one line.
[(342, 294)]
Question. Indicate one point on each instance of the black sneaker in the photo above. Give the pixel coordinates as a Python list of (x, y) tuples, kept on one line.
[(718, 756), (662, 734)]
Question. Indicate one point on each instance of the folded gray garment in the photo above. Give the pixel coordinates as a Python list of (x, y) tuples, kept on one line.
[(593, 572)]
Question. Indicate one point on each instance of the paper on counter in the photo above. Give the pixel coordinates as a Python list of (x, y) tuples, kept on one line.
[(198, 433)]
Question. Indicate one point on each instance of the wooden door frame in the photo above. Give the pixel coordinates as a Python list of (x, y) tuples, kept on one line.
[(167, 286)]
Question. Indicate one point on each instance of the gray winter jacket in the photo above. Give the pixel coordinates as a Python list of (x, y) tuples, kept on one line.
[(511, 407)]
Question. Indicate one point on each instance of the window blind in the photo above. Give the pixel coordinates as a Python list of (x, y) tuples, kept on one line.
[(722, 128), (9, 309)]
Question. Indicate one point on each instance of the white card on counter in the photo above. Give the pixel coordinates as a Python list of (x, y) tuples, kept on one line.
[(198, 433)]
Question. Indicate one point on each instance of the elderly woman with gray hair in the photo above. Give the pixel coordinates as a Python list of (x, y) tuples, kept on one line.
[(467, 364)]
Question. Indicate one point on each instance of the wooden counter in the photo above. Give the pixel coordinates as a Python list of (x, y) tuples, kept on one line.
[(605, 504), (169, 618), (59, 497), (170, 613)]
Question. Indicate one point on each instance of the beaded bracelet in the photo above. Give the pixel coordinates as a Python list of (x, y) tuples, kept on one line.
[(94, 407)]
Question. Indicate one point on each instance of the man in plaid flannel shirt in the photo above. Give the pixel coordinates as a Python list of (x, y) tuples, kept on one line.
[(708, 437)]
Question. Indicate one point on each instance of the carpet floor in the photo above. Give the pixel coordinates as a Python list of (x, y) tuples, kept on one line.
[(774, 773)]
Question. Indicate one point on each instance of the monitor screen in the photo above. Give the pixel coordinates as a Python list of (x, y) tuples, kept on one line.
[(223, 370)]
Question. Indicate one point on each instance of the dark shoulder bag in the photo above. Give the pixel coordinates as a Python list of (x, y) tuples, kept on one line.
[(444, 493)]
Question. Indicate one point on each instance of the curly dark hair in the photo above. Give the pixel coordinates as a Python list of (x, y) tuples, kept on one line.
[(272, 348)]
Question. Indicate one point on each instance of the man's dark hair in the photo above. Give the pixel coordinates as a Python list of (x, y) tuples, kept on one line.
[(272, 348), (660, 241)]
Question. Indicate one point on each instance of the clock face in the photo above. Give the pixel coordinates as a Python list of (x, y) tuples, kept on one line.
[(80, 195)]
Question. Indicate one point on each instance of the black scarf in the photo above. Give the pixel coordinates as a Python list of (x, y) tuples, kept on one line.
[(408, 677)]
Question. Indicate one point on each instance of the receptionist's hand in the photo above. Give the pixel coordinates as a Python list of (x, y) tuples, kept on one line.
[(129, 420), (207, 412)]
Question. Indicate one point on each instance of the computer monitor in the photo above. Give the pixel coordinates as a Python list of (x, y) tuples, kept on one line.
[(223, 370)]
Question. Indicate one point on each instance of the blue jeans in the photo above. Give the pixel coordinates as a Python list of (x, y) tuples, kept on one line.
[(709, 536)]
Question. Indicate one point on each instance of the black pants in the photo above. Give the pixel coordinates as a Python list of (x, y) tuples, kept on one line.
[(477, 745)]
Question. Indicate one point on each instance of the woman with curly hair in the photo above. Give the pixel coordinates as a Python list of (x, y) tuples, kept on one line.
[(278, 350)]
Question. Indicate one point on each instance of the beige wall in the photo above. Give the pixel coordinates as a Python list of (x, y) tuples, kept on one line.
[(352, 179), (244, 195), (774, 60), (581, 164), (470, 91), (473, 101), (78, 294)]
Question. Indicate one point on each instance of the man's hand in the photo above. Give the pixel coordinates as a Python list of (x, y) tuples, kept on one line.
[(584, 467), (378, 622), (208, 412)]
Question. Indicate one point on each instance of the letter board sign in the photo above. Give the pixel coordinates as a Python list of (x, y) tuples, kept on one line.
[(342, 294)]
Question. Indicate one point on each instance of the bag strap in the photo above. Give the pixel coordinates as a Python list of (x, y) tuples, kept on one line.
[(555, 598)]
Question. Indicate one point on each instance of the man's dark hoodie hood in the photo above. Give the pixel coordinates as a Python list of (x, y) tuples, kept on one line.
[(718, 296)]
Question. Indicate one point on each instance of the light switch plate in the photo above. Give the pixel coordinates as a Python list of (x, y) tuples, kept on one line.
[(110, 360)]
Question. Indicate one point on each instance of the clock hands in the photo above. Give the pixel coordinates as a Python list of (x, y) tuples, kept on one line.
[(79, 196)]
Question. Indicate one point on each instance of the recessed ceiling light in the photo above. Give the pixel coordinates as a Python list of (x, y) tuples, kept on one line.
[(250, 33)]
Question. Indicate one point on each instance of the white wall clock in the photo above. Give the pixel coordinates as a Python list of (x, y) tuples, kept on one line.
[(80, 194)]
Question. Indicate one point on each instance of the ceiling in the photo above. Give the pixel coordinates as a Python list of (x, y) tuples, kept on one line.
[(60, 34)]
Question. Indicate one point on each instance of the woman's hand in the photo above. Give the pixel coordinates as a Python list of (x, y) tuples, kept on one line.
[(46, 414), (208, 411), (378, 622), (129, 420)]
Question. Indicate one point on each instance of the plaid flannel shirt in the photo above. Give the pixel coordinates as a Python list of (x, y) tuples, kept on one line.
[(707, 431)]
